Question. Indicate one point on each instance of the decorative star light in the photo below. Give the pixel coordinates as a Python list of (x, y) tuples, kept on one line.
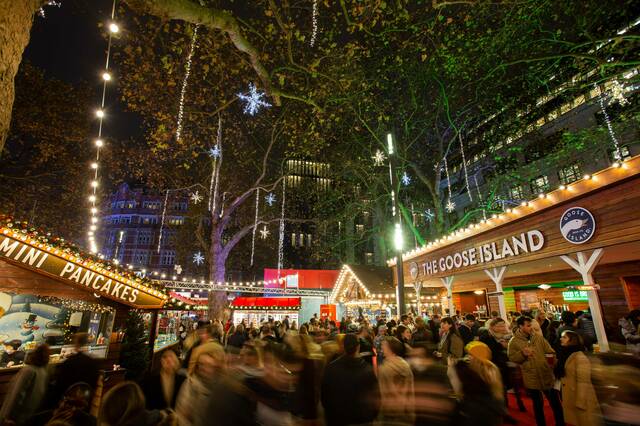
[(379, 158), (214, 152), (178, 269), (450, 206), (617, 93), (270, 198), (198, 258), (406, 179), (196, 197), (428, 215), (253, 100), (264, 232)]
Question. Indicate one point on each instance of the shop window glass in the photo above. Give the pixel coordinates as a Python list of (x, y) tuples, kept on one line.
[(540, 184), (28, 320), (624, 153), (569, 174)]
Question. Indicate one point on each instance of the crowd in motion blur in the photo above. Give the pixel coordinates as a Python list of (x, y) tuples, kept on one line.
[(406, 371)]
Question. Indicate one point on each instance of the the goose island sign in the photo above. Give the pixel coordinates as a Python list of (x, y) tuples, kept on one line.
[(516, 245), (102, 283)]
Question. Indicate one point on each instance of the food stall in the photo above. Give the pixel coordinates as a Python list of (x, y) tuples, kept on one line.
[(49, 291), (255, 310), (573, 248)]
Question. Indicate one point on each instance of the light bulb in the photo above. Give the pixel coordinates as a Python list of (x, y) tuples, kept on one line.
[(541, 196), (93, 227), (563, 187), (94, 183), (113, 27), (94, 220), (99, 143), (106, 76), (90, 233), (92, 198), (99, 113), (587, 177), (94, 210), (94, 165), (616, 164)]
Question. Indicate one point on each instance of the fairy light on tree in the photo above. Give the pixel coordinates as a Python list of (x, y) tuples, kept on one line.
[(185, 82), (255, 226), (314, 23), (450, 206)]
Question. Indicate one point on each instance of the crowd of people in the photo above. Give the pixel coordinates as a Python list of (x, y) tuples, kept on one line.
[(407, 371)]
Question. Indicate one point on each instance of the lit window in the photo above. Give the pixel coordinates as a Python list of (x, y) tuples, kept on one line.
[(624, 154), (168, 258), (141, 257), (569, 174), (294, 240), (540, 184), (516, 193), (144, 237), (368, 257), (309, 240)]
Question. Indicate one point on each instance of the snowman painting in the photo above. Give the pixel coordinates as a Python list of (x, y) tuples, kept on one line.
[(28, 327)]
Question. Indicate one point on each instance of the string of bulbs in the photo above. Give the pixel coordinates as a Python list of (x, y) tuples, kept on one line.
[(99, 143)]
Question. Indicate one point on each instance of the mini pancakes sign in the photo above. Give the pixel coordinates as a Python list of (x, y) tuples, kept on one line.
[(516, 245), (53, 263)]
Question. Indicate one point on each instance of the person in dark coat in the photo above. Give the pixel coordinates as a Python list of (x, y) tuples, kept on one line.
[(73, 409), (78, 367), (161, 389), (467, 329), (237, 339), (350, 394)]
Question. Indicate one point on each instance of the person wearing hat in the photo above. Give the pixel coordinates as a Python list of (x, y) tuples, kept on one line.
[(350, 394), (480, 362)]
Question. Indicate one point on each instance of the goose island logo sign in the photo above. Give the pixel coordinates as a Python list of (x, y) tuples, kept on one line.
[(577, 225)]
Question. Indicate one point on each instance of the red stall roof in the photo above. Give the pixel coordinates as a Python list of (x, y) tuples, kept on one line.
[(266, 303)]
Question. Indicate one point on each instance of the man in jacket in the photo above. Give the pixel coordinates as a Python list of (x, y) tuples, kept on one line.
[(530, 350), (350, 392)]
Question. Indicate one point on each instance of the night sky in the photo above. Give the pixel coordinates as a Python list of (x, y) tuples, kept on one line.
[(69, 45)]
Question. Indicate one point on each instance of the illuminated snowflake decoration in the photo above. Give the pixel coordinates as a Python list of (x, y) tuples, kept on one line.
[(617, 93), (253, 100), (196, 197), (198, 258), (406, 179), (178, 269), (270, 199), (215, 152), (450, 206), (428, 215), (379, 158), (264, 232)]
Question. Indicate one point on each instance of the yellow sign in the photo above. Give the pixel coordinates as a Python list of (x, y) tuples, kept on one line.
[(105, 284)]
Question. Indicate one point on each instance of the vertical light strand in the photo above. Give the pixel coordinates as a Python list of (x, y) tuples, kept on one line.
[(314, 23), (450, 206), (616, 146), (217, 169), (162, 220), (255, 225), (464, 167), (211, 183), (484, 213), (106, 77), (281, 236), (185, 81)]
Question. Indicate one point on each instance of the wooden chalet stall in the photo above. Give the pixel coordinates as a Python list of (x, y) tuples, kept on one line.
[(573, 248), (47, 293), (363, 291)]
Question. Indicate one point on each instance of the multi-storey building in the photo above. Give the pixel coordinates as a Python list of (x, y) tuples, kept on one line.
[(130, 231)]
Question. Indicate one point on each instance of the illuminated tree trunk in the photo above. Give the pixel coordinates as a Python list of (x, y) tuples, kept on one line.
[(218, 308), (16, 18)]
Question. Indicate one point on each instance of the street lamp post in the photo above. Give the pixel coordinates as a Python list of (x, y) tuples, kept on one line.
[(398, 239)]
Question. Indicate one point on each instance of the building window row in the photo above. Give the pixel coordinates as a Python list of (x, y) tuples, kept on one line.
[(152, 204), (298, 240)]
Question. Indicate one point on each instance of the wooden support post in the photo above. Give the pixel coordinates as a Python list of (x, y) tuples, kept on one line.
[(448, 284), (497, 276), (585, 267)]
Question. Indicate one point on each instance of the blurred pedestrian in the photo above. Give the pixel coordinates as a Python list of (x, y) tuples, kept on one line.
[(78, 367), (396, 386), (73, 410), (161, 388), (350, 394), (467, 329), (477, 405), (27, 388), (629, 327), (531, 352), (579, 401), (123, 405)]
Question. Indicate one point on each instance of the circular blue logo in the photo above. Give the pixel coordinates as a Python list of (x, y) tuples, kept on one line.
[(577, 225)]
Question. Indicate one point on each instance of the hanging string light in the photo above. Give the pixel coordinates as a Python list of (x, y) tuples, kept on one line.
[(450, 206), (100, 114), (185, 81), (162, 220), (255, 226), (617, 154), (464, 168), (217, 164), (484, 213), (314, 22), (281, 237)]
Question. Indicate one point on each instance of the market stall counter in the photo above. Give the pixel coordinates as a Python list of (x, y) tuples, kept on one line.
[(50, 291)]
